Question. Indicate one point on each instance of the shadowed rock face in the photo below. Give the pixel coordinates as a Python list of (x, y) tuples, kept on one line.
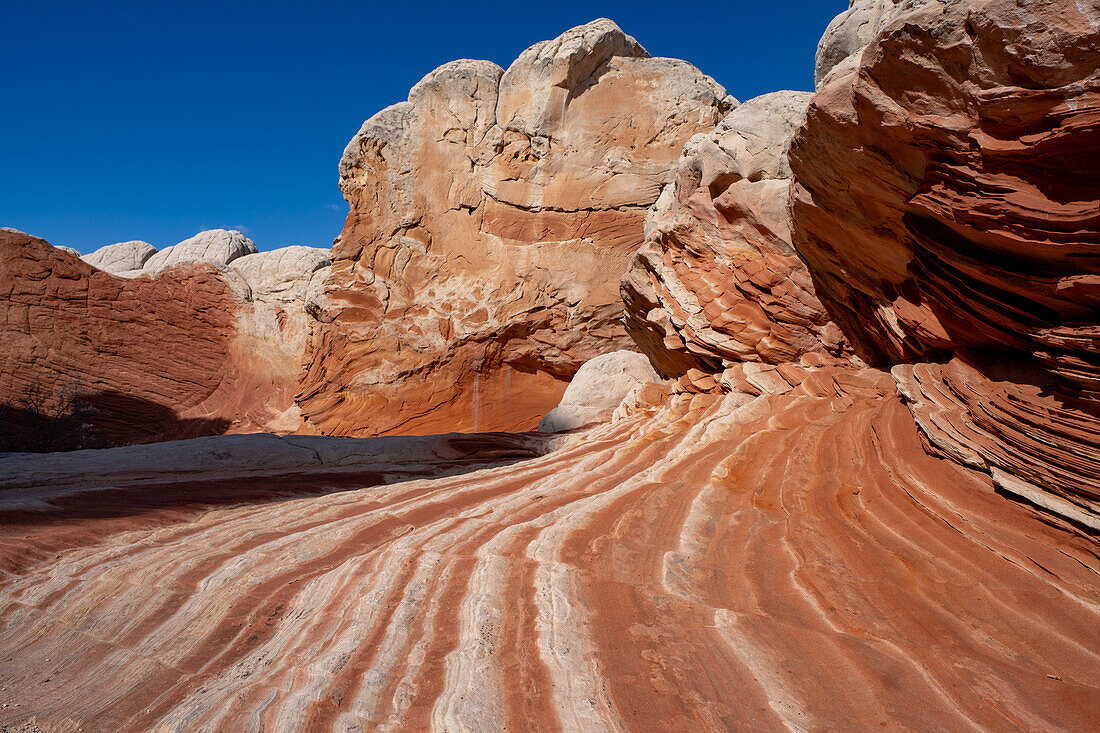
[(737, 555), (946, 203), (492, 215), (166, 345)]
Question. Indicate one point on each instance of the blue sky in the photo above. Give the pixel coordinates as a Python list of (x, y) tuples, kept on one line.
[(155, 120)]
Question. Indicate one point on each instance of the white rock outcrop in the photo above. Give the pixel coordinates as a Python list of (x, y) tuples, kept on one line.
[(215, 246), (125, 259), (852, 30), (597, 389)]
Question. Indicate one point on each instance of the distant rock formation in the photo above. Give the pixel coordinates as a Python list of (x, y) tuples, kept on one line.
[(492, 215), (274, 327), (125, 259), (207, 341), (216, 247), (947, 203)]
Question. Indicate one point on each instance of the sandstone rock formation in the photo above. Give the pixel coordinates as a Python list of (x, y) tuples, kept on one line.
[(850, 32), (125, 259), (775, 540), (192, 348), (215, 246), (946, 202), (709, 564), (274, 327), (151, 354), (598, 388), (492, 215), (718, 281)]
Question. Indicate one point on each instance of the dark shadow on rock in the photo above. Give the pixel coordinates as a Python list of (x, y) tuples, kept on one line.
[(104, 419), (35, 522)]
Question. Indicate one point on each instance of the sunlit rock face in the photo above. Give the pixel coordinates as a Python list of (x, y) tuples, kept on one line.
[(217, 247), (125, 259), (946, 202), (153, 355), (207, 343), (709, 563), (598, 388), (492, 215), (850, 32), (718, 282)]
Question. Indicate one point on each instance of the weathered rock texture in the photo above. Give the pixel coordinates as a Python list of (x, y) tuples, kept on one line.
[(492, 215), (947, 202), (850, 32), (274, 328), (215, 246), (788, 562), (718, 281), (190, 348), (151, 354), (598, 387), (125, 259)]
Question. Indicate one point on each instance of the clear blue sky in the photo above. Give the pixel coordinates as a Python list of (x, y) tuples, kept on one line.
[(154, 120)]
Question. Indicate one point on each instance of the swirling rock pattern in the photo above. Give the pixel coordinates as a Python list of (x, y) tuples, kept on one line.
[(492, 215), (794, 560), (947, 203), (717, 281)]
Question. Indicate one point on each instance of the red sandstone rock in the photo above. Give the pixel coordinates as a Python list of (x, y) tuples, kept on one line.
[(151, 353), (718, 281), (789, 561), (947, 202), (192, 351), (492, 215)]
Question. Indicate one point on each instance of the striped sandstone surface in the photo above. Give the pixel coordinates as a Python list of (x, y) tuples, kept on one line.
[(786, 560)]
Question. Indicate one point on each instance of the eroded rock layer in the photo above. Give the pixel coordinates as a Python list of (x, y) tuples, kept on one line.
[(492, 215), (209, 344), (789, 561), (947, 203), (149, 354), (718, 281)]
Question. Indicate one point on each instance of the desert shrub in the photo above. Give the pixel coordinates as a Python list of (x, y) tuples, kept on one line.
[(43, 420)]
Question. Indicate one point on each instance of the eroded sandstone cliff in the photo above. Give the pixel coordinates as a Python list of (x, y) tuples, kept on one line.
[(492, 215), (200, 338), (946, 202)]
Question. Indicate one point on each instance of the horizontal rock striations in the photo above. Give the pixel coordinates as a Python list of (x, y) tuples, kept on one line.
[(492, 215), (946, 202)]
